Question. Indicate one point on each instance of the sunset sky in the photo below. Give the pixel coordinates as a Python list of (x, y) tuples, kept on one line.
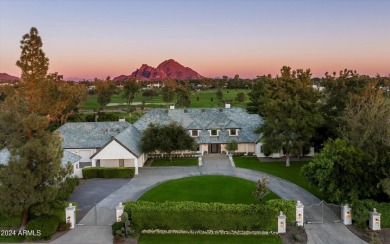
[(97, 38)]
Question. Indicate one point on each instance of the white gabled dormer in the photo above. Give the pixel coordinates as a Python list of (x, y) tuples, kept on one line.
[(194, 133), (214, 132), (233, 132)]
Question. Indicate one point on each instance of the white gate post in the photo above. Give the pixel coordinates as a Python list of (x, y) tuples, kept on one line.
[(281, 223), (70, 215), (299, 213), (119, 211), (200, 159), (375, 220), (346, 214)]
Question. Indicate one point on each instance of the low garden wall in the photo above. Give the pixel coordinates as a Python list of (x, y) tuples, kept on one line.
[(209, 216)]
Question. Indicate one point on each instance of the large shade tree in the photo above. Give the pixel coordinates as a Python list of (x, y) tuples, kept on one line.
[(290, 107), (341, 172), (130, 87), (166, 139)]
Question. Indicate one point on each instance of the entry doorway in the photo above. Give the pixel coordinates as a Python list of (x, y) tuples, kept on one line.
[(214, 148)]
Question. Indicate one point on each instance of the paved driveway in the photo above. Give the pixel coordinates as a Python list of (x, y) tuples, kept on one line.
[(212, 165), (92, 191)]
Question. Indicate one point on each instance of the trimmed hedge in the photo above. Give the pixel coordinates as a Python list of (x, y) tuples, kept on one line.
[(100, 172), (47, 225), (361, 212), (209, 216)]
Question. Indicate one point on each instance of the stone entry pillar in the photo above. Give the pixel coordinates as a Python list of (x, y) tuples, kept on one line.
[(281, 223), (136, 166), (119, 211), (346, 214), (299, 213), (70, 215), (375, 220)]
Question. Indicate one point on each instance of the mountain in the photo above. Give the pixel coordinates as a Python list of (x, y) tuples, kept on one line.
[(169, 69), (7, 77)]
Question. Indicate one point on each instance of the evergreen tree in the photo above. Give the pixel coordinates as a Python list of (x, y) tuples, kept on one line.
[(183, 97), (31, 178), (291, 112)]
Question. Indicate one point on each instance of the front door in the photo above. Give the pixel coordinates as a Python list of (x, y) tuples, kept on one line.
[(214, 148)]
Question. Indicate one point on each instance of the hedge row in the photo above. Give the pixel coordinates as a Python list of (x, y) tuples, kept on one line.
[(361, 212), (209, 216), (100, 172), (46, 225)]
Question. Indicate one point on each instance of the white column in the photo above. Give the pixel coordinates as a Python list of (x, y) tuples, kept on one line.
[(299, 213), (70, 215), (119, 211), (200, 160), (346, 214), (93, 162), (281, 223), (375, 220), (246, 149), (136, 166)]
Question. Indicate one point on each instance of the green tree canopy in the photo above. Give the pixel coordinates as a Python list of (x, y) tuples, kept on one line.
[(341, 172), (290, 107), (104, 91), (166, 139), (240, 97), (131, 87), (183, 97), (32, 175)]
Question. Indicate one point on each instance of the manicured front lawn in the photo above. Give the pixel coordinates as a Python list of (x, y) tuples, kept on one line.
[(223, 189), (175, 162), (292, 173), (207, 239)]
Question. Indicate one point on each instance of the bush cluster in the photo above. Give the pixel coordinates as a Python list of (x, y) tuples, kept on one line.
[(100, 172), (47, 225), (209, 216), (67, 187), (361, 212)]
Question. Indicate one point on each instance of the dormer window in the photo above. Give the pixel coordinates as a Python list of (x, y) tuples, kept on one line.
[(194, 133), (233, 132), (213, 132)]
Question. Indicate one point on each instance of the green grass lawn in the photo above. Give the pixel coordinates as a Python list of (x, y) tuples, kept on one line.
[(157, 102), (207, 239), (292, 173), (223, 189), (175, 162)]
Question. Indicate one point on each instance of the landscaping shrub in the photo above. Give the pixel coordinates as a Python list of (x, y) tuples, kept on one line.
[(67, 188), (361, 212), (99, 172), (10, 221), (47, 225), (117, 226), (62, 226), (207, 216)]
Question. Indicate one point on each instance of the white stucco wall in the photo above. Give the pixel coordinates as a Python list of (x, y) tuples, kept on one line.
[(77, 171), (114, 151)]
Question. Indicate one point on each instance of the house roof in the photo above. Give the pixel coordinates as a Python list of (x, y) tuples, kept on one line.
[(90, 134), (207, 119), (5, 156), (99, 134), (131, 139)]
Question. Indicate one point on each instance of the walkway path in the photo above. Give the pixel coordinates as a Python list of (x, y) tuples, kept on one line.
[(213, 164)]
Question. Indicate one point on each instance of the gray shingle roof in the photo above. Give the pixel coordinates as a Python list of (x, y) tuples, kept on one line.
[(5, 156), (207, 118), (90, 134), (69, 157), (131, 139)]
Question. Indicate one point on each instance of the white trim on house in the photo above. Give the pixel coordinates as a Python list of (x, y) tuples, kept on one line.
[(235, 134), (113, 153), (210, 131), (192, 133)]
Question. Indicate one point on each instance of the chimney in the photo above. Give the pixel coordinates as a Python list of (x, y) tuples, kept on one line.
[(122, 119), (227, 104), (171, 106)]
